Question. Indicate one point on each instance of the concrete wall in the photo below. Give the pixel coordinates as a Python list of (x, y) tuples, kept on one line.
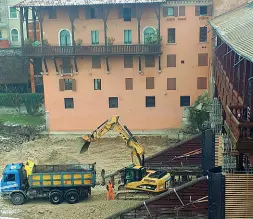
[(91, 106)]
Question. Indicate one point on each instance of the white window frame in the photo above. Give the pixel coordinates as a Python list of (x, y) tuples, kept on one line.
[(143, 36), (11, 35), (59, 37), (9, 12)]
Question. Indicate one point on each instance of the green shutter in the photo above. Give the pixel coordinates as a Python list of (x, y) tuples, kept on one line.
[(127, 36), (94, 37)]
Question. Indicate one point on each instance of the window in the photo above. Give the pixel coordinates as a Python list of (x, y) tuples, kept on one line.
[(1, 36), (171, 35), (171, 83), (184, 100), (52, 13), (113, 102), (66, 67), (74, 12), (96, 62), (203, 10), (170, 11), (127, 36), (202, 34), (150, 101), (128, 61), (10, 177), (127, 14), (182, 11), (203, 59), (201, 83), (69, 103), (65, 39), (172, 60), (92, 13), (95, 37), (13, 12), (14, 35), (68, 84), (149, 61), (97, 84), (150, 83), (149, 34), (129, 83)]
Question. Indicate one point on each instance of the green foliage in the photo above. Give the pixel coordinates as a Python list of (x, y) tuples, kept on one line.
[(32, 101), (78, 42), (199, 113), (153, 39), (31, 43), (110, 40)]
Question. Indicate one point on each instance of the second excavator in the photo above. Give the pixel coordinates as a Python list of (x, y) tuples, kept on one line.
[(135, 176)]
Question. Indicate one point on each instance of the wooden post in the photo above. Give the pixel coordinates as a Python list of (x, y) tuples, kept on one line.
[(21, 26), (158, 15), (34, 24), (105, 16), (246, 82), (139, 14), (26, 22), (32, 77), (41, 28)]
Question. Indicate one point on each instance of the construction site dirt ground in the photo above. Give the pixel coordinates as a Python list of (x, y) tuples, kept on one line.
[(109, 154)]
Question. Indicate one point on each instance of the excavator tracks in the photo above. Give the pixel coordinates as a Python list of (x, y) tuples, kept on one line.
[(133, 195)]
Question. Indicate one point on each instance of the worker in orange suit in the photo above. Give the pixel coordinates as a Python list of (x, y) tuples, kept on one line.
[(110, 192)]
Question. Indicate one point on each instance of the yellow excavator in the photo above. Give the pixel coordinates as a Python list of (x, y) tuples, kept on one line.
[(136, 176)]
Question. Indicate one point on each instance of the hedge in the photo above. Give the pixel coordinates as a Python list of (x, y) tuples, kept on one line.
[(32, 101)]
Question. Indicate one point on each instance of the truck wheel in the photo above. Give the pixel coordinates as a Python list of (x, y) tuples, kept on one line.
[(55, 198), (72, 197), (17, 199)]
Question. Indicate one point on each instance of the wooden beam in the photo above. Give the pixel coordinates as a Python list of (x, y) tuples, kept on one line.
[(248, 66), (26, 21), (72, 20), (159, 64), (55, 65), (140, 64), (105, 16), (34, 24), (75, 63), (139, 12), (45, 64), (41, 27), (21, 26), (107, 64), (158, 15)]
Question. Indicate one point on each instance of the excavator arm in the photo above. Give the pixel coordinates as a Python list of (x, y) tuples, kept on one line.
[(115, 124)]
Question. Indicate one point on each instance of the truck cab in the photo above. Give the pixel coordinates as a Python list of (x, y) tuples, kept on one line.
[(14, 178)]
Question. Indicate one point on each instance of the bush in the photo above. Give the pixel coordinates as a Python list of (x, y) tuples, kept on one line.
[(32, 101)]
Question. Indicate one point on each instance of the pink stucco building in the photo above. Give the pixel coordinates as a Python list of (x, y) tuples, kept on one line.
[(105, 58)]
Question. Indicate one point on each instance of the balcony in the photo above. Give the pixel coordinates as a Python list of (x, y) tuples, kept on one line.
[(241, 128), (52, 51)]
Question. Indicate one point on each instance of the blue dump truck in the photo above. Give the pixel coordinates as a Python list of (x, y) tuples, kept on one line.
[(21, 182)]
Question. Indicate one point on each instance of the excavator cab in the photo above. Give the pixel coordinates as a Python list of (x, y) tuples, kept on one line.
[(134, 173)]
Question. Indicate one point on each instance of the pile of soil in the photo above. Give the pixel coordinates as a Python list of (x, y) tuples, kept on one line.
[(109, 154)]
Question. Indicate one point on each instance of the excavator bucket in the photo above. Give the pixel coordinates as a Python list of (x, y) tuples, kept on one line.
[(83, 145)]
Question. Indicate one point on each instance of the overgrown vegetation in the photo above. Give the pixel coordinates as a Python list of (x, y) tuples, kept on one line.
[(27, 120), (32, 101), (198, 113), (153, 38)]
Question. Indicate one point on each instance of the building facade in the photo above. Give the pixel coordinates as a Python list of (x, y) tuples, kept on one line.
[(143, 60)]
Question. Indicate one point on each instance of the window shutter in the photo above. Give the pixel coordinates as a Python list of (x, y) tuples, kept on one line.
[(87, 13), (96, 62), (182, 11), (73, 84), (203, 59), (165, 11), (150, 61), (150, 83), (128, 61), (129, 83), (171, 83), (175, 11), (133, 12), (197, 10), (171, 60), (201, 83), (209, 10), (120, 12), (61, 85)]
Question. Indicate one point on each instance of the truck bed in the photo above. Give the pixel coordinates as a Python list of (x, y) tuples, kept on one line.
[(63, 175)]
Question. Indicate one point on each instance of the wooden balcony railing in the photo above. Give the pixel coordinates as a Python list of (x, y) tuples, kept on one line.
[(242, 129), (92, 50)]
